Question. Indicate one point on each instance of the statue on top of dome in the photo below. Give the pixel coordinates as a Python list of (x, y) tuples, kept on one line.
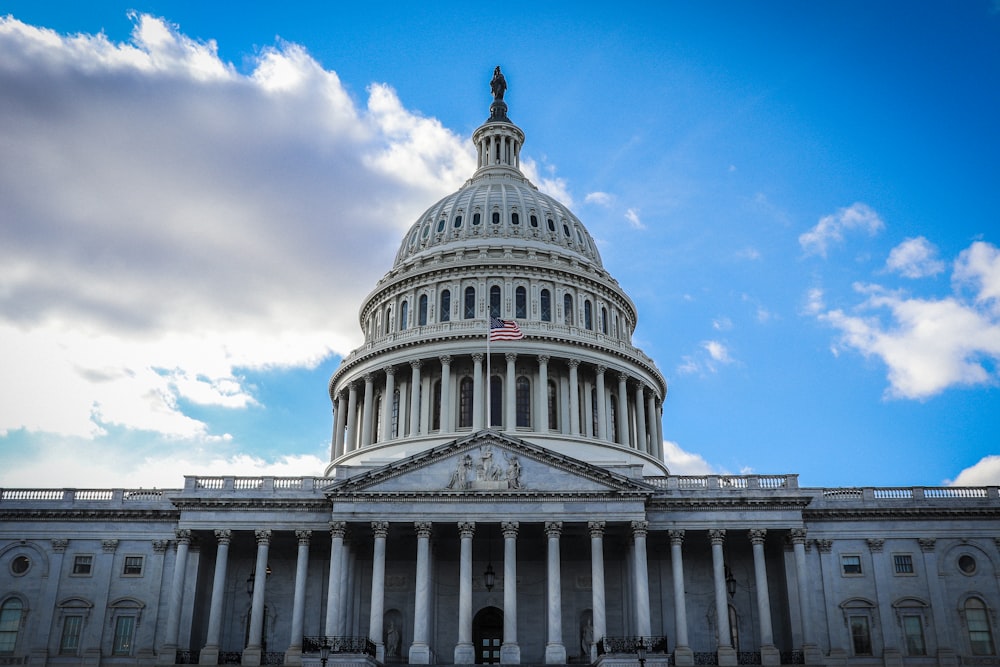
[(498, 85)]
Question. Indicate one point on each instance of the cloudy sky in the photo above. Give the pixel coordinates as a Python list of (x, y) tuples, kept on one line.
[(803, 199)]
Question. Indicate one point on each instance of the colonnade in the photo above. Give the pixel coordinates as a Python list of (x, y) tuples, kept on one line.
[(448, 394), (420, 651)]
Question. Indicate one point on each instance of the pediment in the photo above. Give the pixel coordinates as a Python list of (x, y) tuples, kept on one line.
[(487, 463)]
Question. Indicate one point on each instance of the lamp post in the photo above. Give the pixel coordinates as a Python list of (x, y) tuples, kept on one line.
[(324, 651), (640, 651)]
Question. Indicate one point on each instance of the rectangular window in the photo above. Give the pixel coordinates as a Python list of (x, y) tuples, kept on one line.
[(69, 641), (122, 643), (902, 563), (913, 631), (861, 636), (133, 566), (850, 564), (82, 565)]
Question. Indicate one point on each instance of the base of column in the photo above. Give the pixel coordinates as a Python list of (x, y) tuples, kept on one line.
[(379, 651), (812, 654), (293, 656), (683, 656), (167, 655), (510, 654), (947, 658), (770, 656), (465, 654), (727, 656), (555, 654), (210, 656), (252, 656), (420, 654)]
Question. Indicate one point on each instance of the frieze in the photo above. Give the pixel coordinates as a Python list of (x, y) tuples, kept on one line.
[(486, 473)]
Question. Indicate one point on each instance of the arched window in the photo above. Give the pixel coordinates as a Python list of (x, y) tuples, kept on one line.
[(551, 224), (495, 301), (496, 217), (470, 303), (436, 406), (388, 319), (377, 420), (534, 220), (404, 312), (977, 622), (422, 310), (458, 222), (515, 219), (553, 399), (440, 227), (593, 412), (604, 320), (10, 624), (545, 302), (521, 302), (465, 402), (568, 310), (444, 310), (394, 426), (734, 628), (613, 418), (522, 391), (496, 401), (476, 218), (588, 315)]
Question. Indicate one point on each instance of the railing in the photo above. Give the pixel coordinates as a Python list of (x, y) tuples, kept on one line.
[(706, 658), (616, 645), (748, 658), (355, 645), (272, 658), (724, 482), (793, 658), (230, 658), (85, 495), (184, 657)]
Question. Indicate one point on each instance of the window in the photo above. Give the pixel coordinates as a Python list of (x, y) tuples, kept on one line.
[(422, 310), (546, 304), (850, 565), (565, 230), (10, 624), (470, 303), (902, 563), (404, 312), (977, 621), (19, 565), (496, 217), (913, 635), (122, 641), (522, 390), (515, 219), (967, 564), (69, 640), (388, 319), (82, 564), (465, 403), (593, 413), (553, 398), (861, 636), (458, 221), (133, 566), (551, 224), (534, 221), (427, 230), (588, 315), (394, 426), (496, 401), (444, 314), (613, 418), (476, 218), (495, 301), (436, 406), (521, 302), (440, 225), (568, 309), (604, 320)]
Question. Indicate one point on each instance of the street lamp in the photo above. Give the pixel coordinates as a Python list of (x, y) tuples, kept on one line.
[(324, 651), (730, 583), (489, 577), (640, 650)]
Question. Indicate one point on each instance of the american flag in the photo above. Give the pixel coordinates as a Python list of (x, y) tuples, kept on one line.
[(504, 329)]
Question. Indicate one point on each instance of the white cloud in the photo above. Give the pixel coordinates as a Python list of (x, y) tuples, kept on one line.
[(830, 229), (717, 351), (985, 472), (634, 222), (681, 462), (552, 185), (599, 198), (169, 221), (915, 258), (748, 252), (928, 345), (711, 355), (722, 324)]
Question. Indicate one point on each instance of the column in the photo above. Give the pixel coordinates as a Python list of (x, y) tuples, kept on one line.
[(420, 653), (477, 391), (555, 650), (602, 403), (682, 652), (344, 617), (597, 584), (415, 397), (293, 656), (768, 653), (341, 424), (574, 397), (890, 638), (90, 641), (380, 529), (387, 397), (40, 650), (623, 409), (640, 419), (659, 427), (368, 412), (510, 652), (510, 399), (655, 445), (641, 583), (837, 632), (809, 648), (465, 651), (946, 647), (252, 653), (727, 656), (210, 654), (542, 424), (446, 420), (167, 654), (333, 593), (351, 434)]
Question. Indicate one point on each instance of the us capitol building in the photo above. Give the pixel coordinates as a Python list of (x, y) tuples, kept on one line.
[(499, 501)]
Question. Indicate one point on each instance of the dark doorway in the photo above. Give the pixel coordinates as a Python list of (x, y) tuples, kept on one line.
[(487, 635)]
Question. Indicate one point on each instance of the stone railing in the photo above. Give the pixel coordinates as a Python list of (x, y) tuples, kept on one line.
[(265, 484), (103, 497), (889, 494), (724, 482)]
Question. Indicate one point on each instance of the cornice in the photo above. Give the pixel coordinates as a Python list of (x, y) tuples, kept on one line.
[(762, 504), (480, 497), (69, 514), (252, 504), (907, 513)]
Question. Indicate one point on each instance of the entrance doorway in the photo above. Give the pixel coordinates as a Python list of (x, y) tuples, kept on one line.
[(487, 635)]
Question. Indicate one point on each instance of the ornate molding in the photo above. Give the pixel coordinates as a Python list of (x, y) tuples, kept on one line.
[(596, 528), (59, 545), (509, 529), (553, 528), (338, 529), (109, 546), (466, 529), (757, 535), (380, 529), (303, 536), (223, 535), (875, 545), (824, 546)]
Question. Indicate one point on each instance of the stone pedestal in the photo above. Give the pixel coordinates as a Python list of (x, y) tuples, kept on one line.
[(683, 656), (209, 656), (770, 656), (420, 654), (555, 654), (510, 654), (465, 654), (252, 656), (727, 656)]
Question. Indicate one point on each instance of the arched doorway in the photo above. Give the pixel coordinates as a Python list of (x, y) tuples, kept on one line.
[(487, 635)]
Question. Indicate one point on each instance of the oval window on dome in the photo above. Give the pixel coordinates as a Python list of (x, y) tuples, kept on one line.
[(579, 238), (440, 225), (565, 230), (476, 219), (515, 219), (496, 217), (534, 221), (552, 224), (427, 230), (458, 221)]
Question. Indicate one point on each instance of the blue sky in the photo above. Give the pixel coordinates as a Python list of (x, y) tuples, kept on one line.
[(802, 199)]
